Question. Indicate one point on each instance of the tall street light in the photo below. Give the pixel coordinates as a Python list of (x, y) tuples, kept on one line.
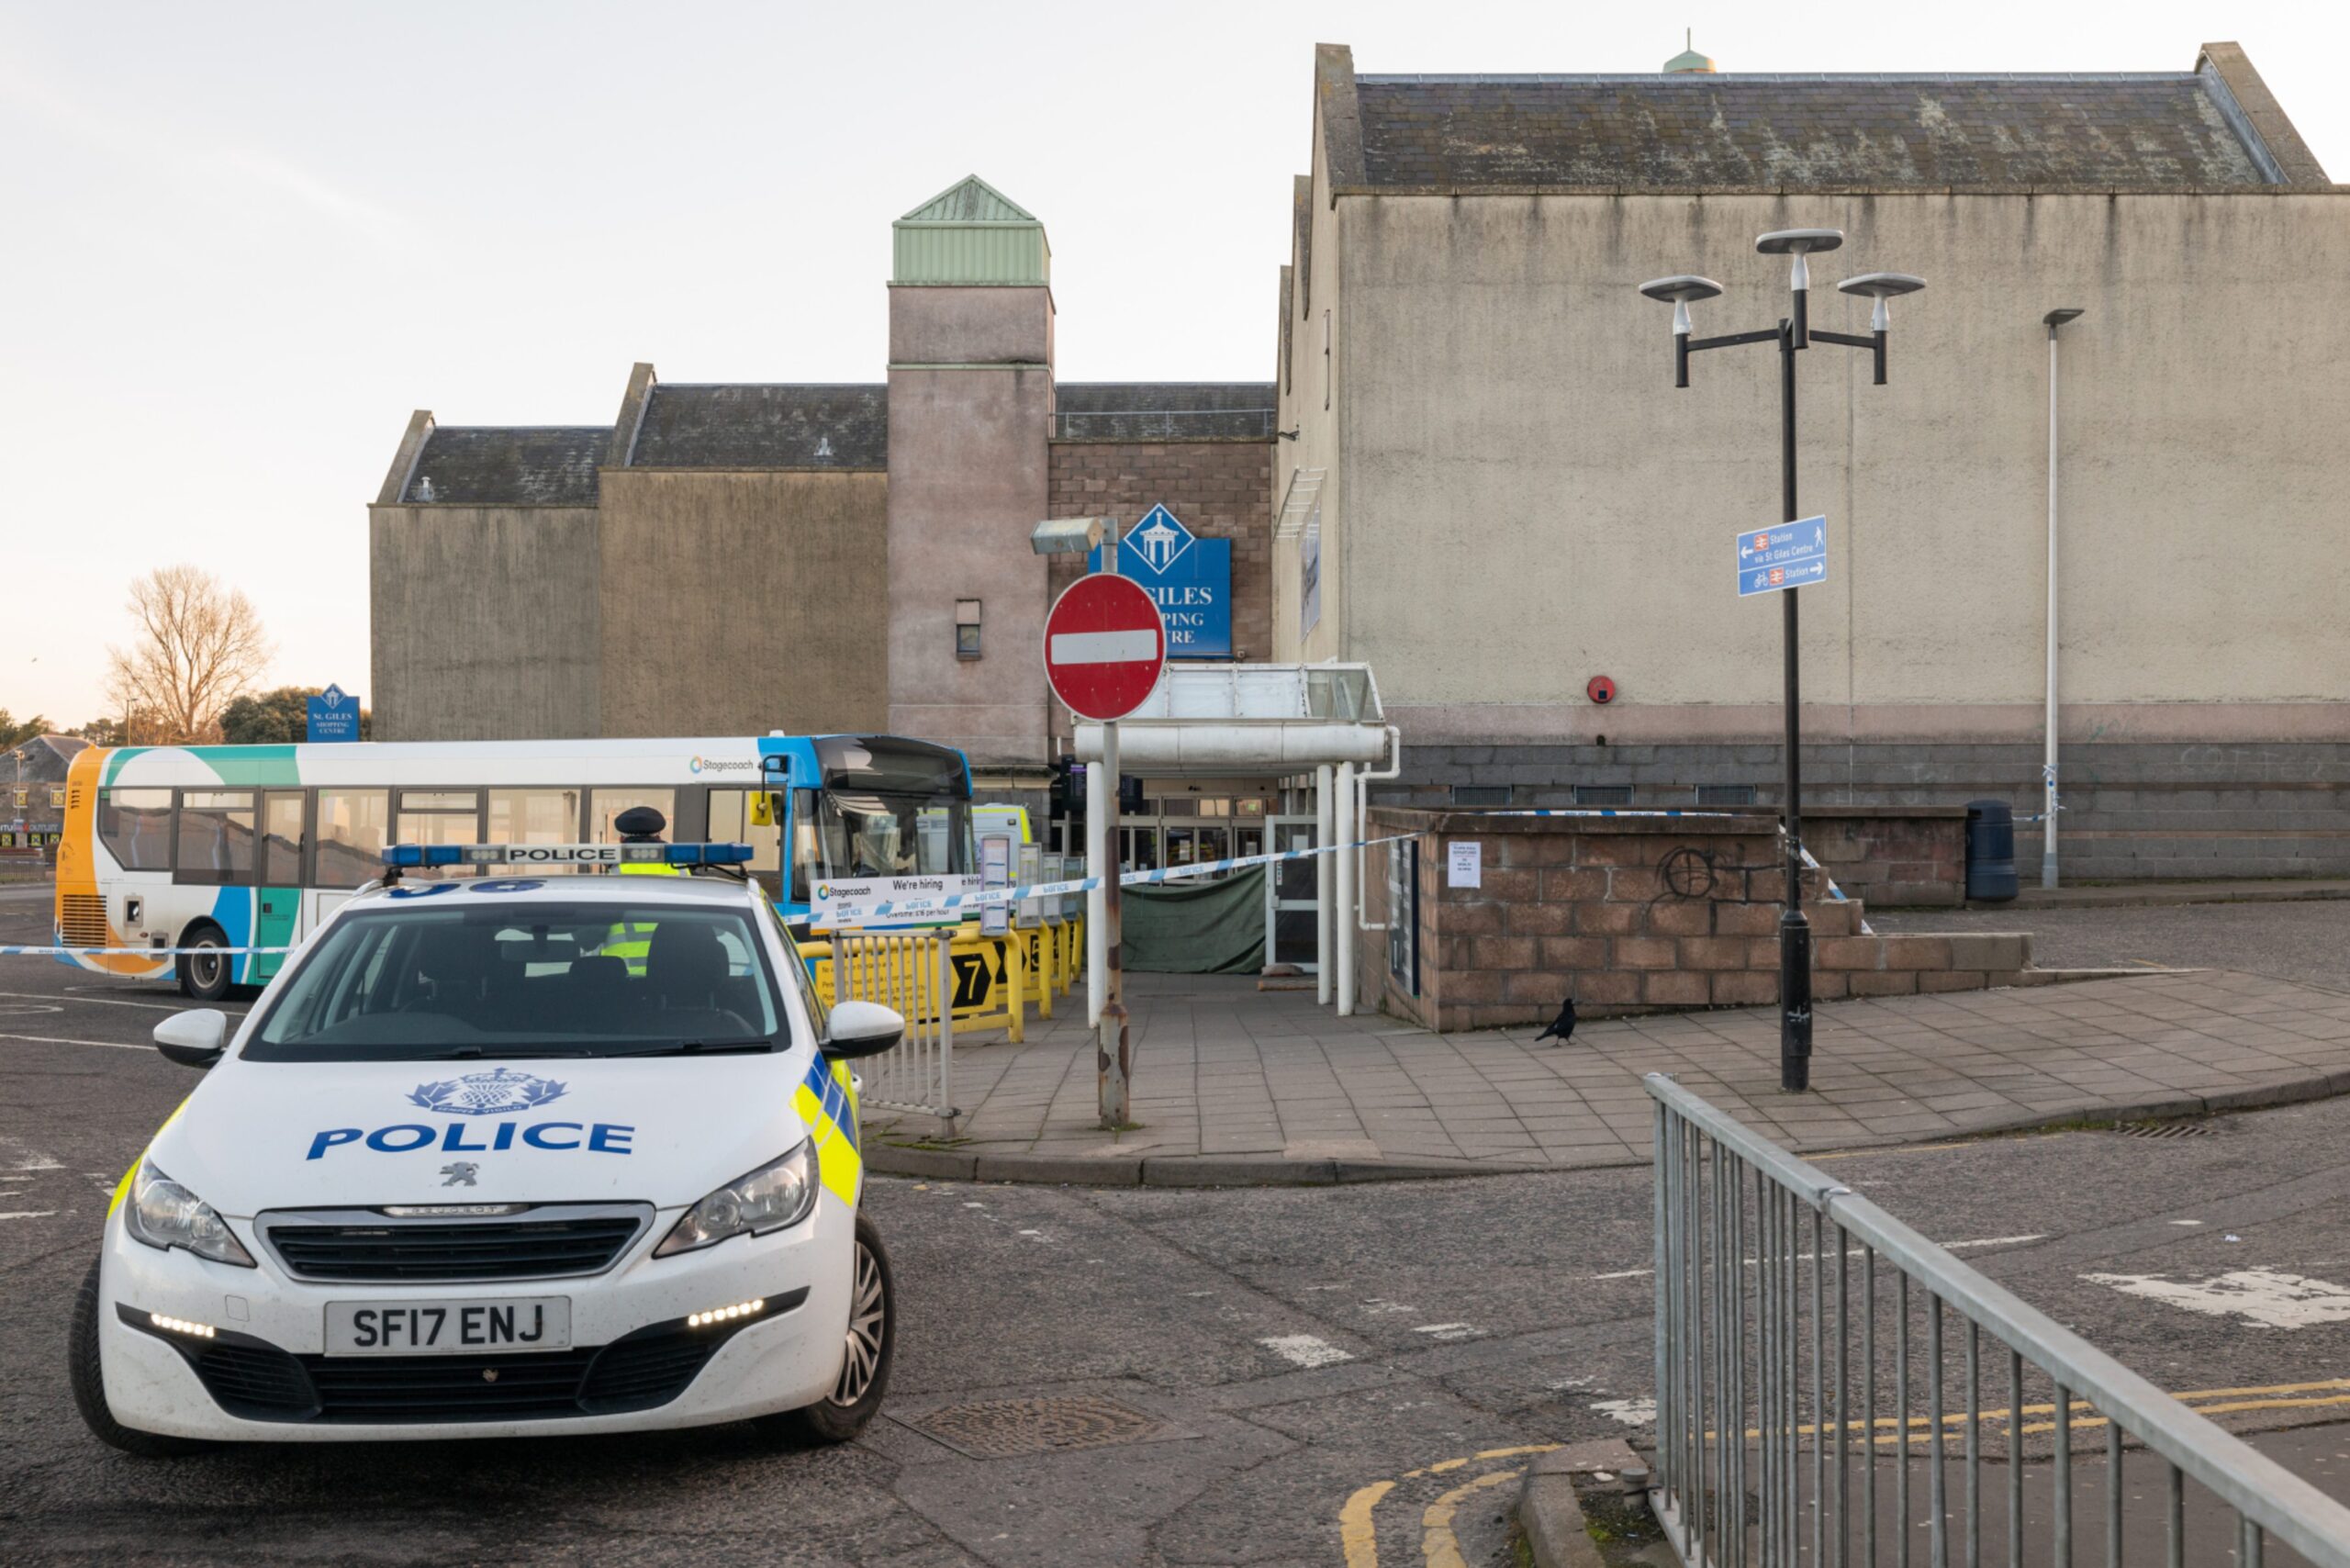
[(1792, 334)]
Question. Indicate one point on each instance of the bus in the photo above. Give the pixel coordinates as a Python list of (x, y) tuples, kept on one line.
[(213, 848)]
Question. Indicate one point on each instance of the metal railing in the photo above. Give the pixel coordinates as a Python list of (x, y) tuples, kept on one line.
[(910, 972), (1762, 1459)]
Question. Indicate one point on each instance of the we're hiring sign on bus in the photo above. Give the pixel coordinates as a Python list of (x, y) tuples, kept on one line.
[(1190, 578)]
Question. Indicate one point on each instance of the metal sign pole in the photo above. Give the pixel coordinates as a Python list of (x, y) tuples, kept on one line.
[(1795, 931), (1111, 1058)]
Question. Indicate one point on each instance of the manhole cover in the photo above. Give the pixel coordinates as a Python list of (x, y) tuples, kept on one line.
[(1005, 1429), (2164, 1129)]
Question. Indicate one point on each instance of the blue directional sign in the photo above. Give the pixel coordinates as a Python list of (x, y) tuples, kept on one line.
[(1783, 555), (334, 716), (1189, 576)]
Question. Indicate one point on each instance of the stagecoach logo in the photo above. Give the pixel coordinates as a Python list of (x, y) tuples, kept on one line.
[(715, 765), (498, 1093), (1160, 539)]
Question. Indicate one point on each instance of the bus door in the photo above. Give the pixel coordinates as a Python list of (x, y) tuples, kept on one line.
[(277, 908)]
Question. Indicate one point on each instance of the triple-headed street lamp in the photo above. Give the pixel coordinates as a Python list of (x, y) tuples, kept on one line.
[(1792, 334)]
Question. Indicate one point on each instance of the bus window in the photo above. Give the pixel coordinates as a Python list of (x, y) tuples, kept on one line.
[(733, 819), (603, 805), (216, 841), (352, 826), (439, 816), (281, 844), (881, 835), (534, 816), (136, 827)]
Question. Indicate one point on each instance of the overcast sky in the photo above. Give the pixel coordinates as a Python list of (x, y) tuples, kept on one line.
[(243, 241)]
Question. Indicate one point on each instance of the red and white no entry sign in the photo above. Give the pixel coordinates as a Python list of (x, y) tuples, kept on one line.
[(1104, 647)]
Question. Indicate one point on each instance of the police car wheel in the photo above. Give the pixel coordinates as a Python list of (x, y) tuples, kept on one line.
[(204, 975), (82, 1370), (865, 1368)]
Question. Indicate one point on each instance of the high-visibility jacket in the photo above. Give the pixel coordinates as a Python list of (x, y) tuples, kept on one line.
[(631, 941)]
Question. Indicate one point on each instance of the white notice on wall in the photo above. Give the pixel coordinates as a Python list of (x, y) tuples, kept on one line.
[(1464, 864)]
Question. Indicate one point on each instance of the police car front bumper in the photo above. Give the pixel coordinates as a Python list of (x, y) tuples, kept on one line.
[(263, 1374)]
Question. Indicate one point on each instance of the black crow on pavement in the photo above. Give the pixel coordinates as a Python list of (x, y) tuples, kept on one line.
[(1563, 1027)]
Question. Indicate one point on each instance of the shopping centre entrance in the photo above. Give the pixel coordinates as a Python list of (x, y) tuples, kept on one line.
[(1240, 760)]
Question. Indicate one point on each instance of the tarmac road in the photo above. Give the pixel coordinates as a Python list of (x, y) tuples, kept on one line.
[(1283, 1352)]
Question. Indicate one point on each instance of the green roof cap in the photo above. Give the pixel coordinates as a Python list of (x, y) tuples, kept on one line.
[(970, 235)]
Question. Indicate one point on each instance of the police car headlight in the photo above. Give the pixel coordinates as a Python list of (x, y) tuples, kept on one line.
[(778, 1194), (164, 1215)]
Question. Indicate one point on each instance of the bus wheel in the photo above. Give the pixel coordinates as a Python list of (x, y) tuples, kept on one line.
[(204, 974)]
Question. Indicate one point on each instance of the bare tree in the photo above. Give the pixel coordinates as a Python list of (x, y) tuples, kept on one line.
[(200, 644)]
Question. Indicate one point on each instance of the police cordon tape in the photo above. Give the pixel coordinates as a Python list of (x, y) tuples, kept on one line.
[(10, 952), (905, 909), (897, 910), (846, 915)]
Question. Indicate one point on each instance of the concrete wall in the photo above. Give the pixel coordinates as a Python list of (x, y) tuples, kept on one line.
[(969, 475), (1507, 407), (1313, 402), (486, 623), (2132, 811), (737, 603)]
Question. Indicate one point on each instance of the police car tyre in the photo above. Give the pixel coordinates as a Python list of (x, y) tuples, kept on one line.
[(206, 977), (88, 1380), (864, 1366)]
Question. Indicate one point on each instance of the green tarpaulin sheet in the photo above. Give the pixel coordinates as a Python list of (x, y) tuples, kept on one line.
[(1196, 927)]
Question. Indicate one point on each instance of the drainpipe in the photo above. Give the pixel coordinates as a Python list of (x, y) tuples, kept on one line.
[(2048, 798), (1348, 830), (1326, 907), (1362, 818)]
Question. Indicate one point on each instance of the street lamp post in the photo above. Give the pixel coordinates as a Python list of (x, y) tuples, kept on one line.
[(1792, 334)]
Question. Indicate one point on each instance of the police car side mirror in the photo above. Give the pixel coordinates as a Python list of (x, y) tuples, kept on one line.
[(193, 1038), (862, 1029)]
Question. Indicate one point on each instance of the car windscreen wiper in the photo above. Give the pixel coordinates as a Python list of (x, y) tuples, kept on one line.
[(700, 1048), (473, 1053)]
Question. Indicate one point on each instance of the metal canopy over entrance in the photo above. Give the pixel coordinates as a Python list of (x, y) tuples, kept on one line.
[(1266, 721)]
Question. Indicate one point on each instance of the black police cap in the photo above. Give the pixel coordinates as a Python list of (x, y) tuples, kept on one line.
[(641, 822)]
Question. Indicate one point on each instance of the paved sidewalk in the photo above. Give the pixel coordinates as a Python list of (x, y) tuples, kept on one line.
[(1233, 1085), (2134, 895)]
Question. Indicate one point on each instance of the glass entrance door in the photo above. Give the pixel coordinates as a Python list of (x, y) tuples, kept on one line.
[(1291, 897)]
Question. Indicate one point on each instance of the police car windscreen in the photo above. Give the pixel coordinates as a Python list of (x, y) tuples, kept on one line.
[(428, 982)]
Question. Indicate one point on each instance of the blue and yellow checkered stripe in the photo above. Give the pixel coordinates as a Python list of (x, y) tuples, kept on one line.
[(826, 1100)]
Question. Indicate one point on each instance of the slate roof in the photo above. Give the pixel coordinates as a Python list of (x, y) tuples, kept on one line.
[(764, 425), (508, 465), (1163, 411), (2152, 131)]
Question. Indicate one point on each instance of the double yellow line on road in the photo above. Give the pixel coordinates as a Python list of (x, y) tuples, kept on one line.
[(1440, 1548)]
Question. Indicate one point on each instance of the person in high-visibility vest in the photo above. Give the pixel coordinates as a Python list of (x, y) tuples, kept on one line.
[(631, 941)]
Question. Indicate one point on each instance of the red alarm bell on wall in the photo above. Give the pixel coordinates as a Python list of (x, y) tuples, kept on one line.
[(1601, 690)]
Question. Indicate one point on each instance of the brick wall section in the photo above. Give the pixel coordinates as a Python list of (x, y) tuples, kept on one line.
[(1635, 915), (1894, 857), (1222, 489)]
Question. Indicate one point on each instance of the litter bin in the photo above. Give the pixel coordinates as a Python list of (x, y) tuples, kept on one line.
[(1990, 850)]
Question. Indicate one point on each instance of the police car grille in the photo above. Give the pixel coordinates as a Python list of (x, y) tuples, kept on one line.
[(448, 1388), (504, 1250)]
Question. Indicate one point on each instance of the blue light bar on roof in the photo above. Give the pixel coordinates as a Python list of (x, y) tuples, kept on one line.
[(709, 853), (406, 855)]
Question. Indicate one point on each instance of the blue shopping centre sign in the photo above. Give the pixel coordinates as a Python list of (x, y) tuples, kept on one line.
[(1189, 576)]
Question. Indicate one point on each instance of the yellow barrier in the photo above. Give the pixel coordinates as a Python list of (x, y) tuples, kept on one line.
[(992, 979)]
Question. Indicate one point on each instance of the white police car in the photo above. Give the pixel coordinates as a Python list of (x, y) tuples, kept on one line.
[(502, 1156)]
